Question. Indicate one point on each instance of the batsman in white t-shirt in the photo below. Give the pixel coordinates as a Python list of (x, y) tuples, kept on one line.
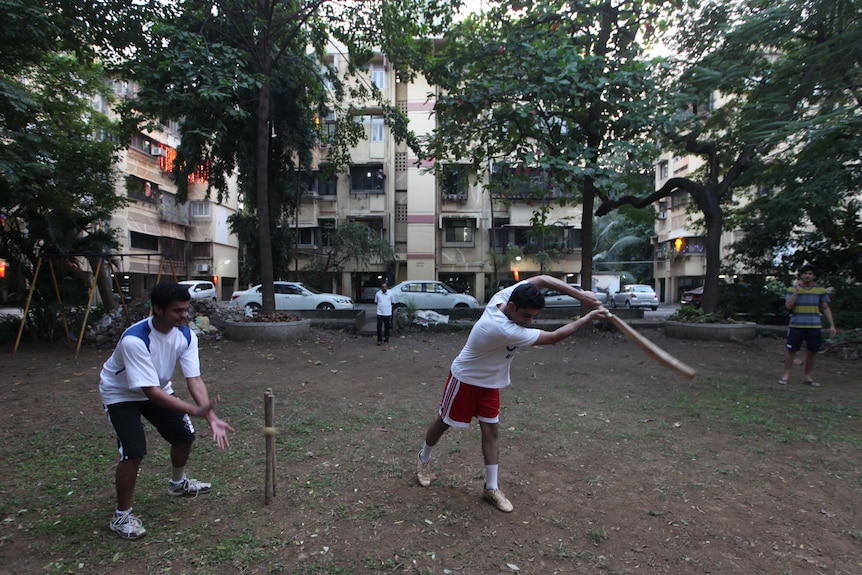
[(482, 369)]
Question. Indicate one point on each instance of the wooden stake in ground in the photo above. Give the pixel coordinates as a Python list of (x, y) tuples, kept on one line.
[(269, 433)]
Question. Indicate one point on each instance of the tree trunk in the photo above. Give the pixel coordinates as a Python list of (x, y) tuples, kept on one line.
[(262, 189), (714, 221), (587, 234)]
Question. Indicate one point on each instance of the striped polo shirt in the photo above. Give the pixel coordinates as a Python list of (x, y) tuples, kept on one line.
[(806, 312)]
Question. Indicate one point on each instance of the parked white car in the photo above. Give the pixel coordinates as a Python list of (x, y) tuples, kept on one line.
[(635, 295), (201, 289), (430, 295), (290, 296)]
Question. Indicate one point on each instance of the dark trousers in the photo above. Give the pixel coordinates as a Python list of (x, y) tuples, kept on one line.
[(384, 323)]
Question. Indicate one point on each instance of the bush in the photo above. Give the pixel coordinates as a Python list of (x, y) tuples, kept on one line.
[(846, 304)]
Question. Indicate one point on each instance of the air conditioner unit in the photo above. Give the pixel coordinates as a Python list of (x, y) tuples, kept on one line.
[(157, 151), (202, 267), (662, 215)]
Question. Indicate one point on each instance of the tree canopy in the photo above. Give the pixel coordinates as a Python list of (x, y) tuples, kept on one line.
[(247, 81), (754, 82), (553, 87), (57, 152)]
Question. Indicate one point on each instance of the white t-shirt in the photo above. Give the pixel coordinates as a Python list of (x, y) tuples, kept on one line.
[(487, 356), (384, 302), (146, 357)]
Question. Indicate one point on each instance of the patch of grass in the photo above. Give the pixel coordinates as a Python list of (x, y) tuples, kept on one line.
[(597, 535)]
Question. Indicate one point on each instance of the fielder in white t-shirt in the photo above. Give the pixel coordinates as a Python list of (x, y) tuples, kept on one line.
[(482, 369), (135, 382)]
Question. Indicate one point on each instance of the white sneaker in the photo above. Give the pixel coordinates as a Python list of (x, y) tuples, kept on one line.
[(191, 487), (128, 526), (497, 497), (424, 474)]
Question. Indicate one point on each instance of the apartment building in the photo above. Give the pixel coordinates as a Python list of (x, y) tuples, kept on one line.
[(443, 226), (161, 238), (680, 256)]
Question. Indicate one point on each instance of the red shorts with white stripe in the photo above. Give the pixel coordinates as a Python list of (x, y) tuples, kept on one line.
[(462, 402)]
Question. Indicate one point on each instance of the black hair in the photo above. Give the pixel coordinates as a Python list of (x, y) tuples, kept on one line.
[(167, 292), (807, 268), (527, 296)]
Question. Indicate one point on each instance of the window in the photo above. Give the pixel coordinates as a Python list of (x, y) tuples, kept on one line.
[(327, 230), (453, 181), (142, 190), (377, 127), (327, 128), (663, 171), (139, 241), (327, 186), (368, 179), (174, 249), (378, 131), (378, 77), (307, 236), (458, 230), (202, 250), (200, 209)]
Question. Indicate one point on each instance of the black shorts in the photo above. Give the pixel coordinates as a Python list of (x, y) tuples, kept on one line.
[(125, 417), (812, 336)]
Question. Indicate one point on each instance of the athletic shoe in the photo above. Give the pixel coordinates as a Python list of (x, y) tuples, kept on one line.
[(496, 497), (191, 487), (128, 526), (423, 473)]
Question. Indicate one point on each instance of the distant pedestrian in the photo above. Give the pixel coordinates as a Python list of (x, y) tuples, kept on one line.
[(136, 382), (806, 301), (383, 299)]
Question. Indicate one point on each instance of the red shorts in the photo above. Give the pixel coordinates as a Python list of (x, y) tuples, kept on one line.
[(462, 402)]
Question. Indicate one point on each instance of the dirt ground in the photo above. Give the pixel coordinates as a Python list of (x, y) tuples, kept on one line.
[(614, 464)]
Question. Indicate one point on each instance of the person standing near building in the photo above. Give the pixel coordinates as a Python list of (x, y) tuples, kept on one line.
[(806, 301), (482, 369), (135, 382), (383, 299)]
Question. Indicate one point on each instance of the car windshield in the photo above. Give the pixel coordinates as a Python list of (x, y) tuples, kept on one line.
[(447, 288), (308, 287), (646, 289)]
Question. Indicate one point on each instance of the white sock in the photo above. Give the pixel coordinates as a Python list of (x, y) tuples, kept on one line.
[(178, 474), (117, 513), (425, 454), (491, 476)]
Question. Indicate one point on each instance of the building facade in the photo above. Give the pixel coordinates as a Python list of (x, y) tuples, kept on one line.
[(161, 238), (443, 225)]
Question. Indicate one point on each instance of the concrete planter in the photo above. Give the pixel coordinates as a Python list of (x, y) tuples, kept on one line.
[(267, 331), (743, 331)]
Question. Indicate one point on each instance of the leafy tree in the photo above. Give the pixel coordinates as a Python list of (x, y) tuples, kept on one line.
[(246, 81), (787, 75), (622, 242), (56, 150), (351, 241), (553, 88)]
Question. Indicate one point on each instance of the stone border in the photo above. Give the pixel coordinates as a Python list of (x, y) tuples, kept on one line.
[(267, 331), (744, 331)]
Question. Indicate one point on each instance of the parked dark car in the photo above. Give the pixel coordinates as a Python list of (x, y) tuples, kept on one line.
[(743, 299)]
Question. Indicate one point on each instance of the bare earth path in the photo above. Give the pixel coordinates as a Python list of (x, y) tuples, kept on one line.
[(614, 464)]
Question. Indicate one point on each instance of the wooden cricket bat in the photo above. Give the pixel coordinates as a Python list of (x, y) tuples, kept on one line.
[(652, 349)]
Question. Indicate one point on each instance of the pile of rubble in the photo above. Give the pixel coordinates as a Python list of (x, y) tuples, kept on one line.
[(206, 319)]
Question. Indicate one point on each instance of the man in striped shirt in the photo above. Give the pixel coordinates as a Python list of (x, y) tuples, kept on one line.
[(805, 300)]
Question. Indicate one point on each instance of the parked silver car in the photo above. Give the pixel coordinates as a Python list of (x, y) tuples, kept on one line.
[(554, 298), (635, 295), (430, 295), (290, 296)]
